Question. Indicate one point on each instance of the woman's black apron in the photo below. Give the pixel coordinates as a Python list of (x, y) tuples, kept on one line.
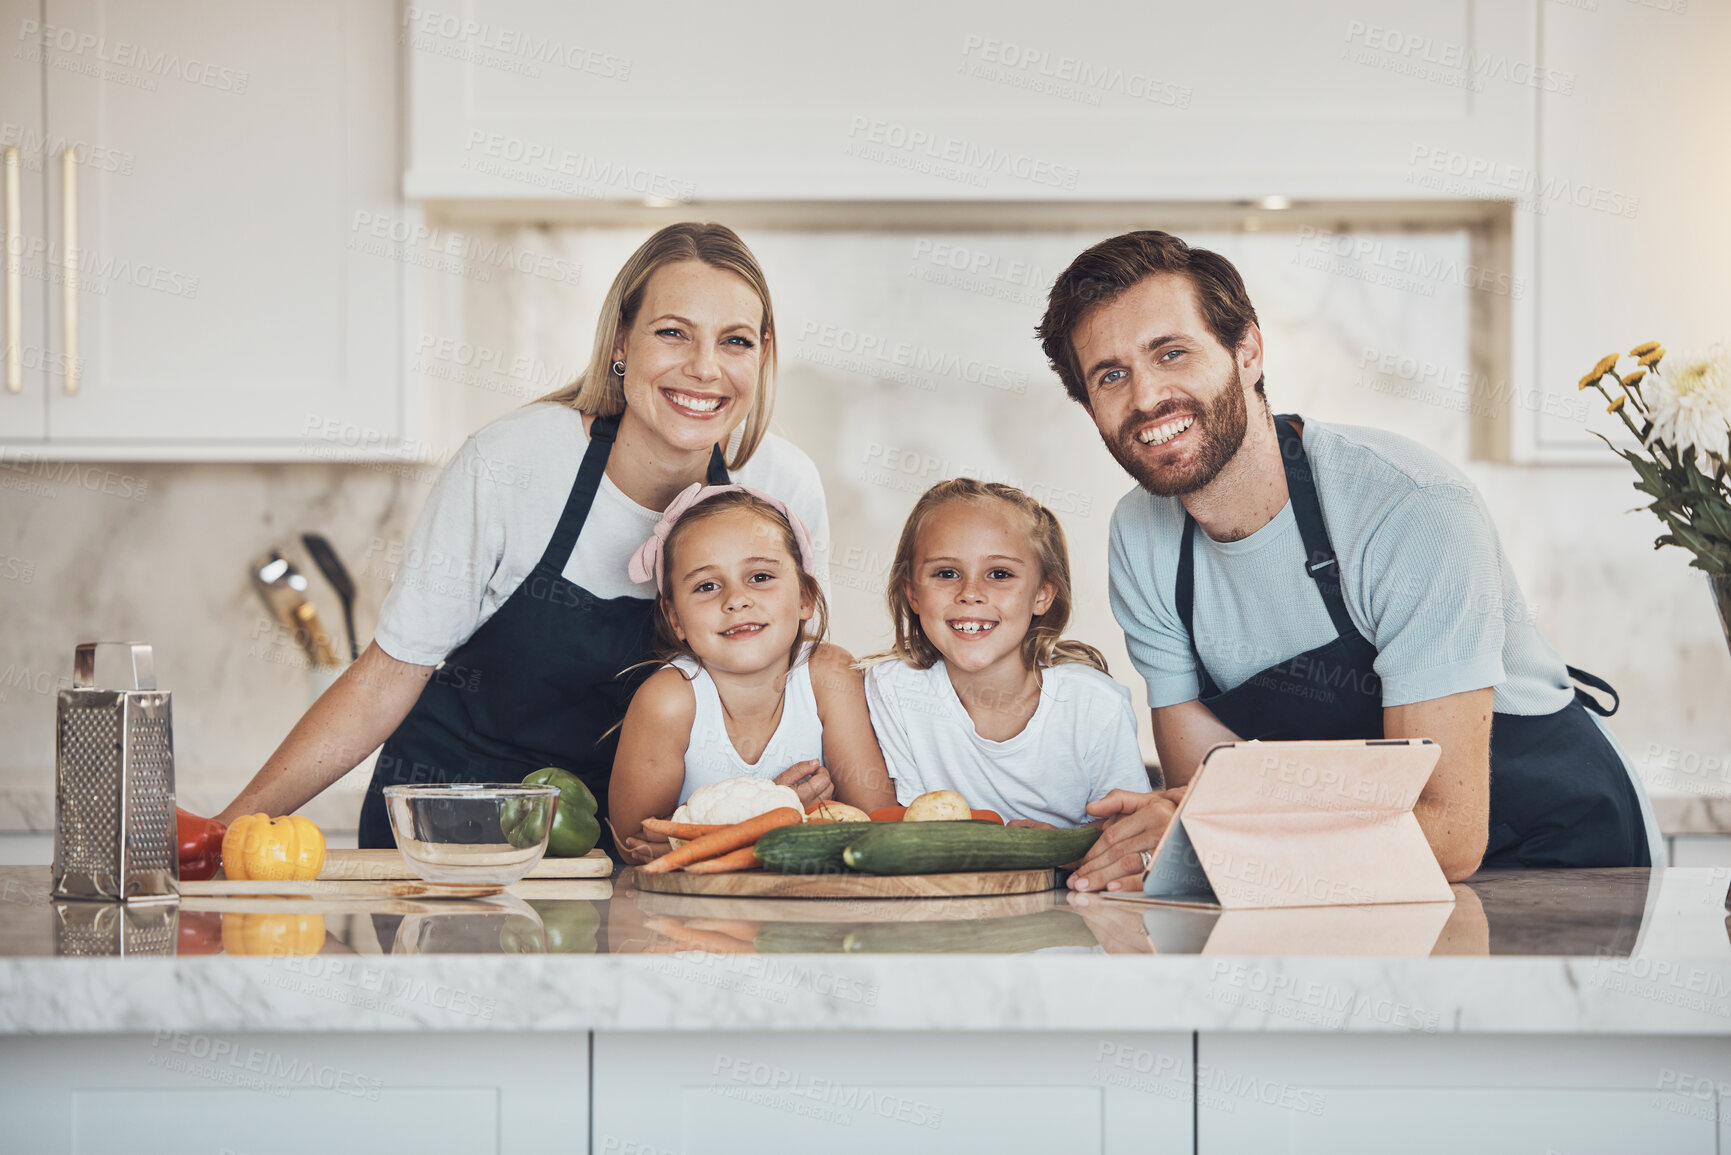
[(543, 682), (1560, 795)]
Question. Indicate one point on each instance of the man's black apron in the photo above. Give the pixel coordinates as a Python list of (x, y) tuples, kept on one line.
[(1560, 795), (541, 683)]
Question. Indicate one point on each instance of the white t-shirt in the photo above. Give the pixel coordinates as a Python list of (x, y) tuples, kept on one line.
[(710, 755), (492, 512), (1079, 745)]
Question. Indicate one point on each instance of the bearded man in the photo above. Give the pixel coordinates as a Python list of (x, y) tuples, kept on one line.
[(1285, 579)]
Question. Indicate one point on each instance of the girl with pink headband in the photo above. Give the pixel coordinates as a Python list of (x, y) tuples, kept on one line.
[(749, 688)]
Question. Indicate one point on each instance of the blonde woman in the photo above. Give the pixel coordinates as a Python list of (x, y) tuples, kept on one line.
[(505, 642)]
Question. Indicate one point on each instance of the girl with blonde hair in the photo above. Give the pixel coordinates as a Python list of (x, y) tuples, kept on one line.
[(980, 692)]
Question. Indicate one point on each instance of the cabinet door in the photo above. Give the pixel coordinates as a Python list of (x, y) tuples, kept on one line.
[(228, 153), (1310, 1094), (383, 1092), (840, 1092), (23, 364), (1122, 100)]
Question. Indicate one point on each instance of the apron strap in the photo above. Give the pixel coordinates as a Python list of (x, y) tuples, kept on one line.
[(1320, 561), (1184, 595), (588, 484), (582, 496), (1599, 684)]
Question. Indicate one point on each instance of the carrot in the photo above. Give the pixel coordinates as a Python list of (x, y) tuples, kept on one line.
[(816, 821), (888, 813), (685, 830), (988, 816), (685, 938), (815, 805), (721, 841), (745, 858)]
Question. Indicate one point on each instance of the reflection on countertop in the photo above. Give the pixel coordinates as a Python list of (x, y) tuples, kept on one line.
[(1590, 913)]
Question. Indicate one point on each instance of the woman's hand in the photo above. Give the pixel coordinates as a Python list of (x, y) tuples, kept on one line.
[(1134, 824), (810, 780)]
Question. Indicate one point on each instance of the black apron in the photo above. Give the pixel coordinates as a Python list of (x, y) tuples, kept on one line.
[(541, 683), (1560, 794)]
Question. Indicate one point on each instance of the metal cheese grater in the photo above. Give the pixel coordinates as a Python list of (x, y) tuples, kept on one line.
[(114, 824), (107, 929)]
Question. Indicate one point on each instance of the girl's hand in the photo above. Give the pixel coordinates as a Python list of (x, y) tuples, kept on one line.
[(809, 779), (639, 848)]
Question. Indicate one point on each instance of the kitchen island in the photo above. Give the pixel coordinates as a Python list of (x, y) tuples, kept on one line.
[(1566, 1011)]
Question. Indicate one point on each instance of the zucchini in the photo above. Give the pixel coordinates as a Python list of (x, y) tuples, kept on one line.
[(1010, 934), (949, 847), (813, 849)]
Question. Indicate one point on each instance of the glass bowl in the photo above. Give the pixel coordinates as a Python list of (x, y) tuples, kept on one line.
[(471, 831)]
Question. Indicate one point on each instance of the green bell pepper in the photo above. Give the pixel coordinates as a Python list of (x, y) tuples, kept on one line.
[(576, 829)]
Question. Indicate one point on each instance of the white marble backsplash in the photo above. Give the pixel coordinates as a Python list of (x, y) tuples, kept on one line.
[(905, 358)]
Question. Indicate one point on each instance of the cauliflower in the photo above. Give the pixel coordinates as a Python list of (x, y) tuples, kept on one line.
[(735, 800)]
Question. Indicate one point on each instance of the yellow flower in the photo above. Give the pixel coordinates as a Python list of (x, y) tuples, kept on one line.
[(1651, 357), (1643, 349), (1606, 363), (1615, 405), (1634, 377)]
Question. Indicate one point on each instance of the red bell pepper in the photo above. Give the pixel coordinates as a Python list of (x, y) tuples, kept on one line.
[(200, 844)]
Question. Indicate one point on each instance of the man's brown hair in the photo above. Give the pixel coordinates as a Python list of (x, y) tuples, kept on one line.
[(1105, 272)]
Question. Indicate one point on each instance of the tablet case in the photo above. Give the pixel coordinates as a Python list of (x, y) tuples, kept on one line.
[(1282, 824)]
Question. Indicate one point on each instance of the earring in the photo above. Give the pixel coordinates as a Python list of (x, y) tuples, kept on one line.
[(619, 369)]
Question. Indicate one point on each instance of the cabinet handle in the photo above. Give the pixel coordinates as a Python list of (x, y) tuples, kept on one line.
[(14, 278), (69, 265)]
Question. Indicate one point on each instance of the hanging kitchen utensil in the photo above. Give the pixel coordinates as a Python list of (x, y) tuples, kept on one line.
[(283, 589), (325, 557)]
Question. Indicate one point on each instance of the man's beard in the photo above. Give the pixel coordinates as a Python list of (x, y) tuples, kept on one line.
[(1220, 429)]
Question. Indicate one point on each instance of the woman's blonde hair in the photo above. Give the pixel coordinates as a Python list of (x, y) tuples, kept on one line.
[(668, 645), (1044, 644), (599, 392)]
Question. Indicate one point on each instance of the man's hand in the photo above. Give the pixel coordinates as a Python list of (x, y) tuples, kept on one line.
[(809, 779), (1134, 823)]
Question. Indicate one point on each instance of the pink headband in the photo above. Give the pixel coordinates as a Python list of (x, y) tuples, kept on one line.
[(646, 562)]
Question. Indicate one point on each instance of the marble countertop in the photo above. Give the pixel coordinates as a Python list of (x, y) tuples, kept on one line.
[(1601, 951)]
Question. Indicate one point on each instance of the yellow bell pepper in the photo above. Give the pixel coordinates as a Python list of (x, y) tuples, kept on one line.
[(274, 849), (273, 934)]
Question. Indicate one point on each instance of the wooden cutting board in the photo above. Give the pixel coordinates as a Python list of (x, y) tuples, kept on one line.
[(338, 888), (766, 884), (383, 865)]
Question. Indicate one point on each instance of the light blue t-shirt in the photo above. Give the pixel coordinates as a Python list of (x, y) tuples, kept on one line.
[(1422, 570)]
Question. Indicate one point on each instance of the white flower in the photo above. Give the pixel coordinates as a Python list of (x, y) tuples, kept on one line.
[(1689, 399)]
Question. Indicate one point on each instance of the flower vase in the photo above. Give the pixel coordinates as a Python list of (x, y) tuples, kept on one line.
[(1720, 583)]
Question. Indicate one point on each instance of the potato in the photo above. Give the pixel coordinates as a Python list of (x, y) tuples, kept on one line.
[(938, 806), (837, 812)]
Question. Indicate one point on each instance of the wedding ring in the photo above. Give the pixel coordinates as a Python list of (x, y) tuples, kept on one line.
[(1147, 861)]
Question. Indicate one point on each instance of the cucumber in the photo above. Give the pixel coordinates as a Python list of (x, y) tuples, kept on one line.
[(1010, 934), (814, 849), (802, 937), (949, 847)]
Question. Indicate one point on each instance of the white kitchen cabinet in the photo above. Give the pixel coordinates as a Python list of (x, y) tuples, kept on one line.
[(1314, 1094), (187, 1092), (230, 159), (1127, 101), (23, 407), (1625, 203), (842, 1092)]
